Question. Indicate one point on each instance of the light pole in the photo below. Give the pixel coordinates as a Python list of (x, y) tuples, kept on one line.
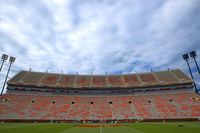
[(194, 55), (11, 60), (186, 58), (4, 57)]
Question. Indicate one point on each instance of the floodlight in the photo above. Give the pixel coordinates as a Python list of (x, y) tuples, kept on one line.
[(185, 56), (12, 59), (193, 54), (4, 57)]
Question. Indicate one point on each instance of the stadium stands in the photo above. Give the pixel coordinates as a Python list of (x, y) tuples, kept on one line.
[(142, 96), (148, 78), (99, 81), (166, 77), (31, 78), (147, 106), (18, 77), (37, 79), (83, 81), (115, 81), (132, 80), (50, 80), (67, 80), (180, 75)]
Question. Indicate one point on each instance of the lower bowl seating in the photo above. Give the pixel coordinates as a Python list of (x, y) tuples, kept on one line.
[(63, 107)]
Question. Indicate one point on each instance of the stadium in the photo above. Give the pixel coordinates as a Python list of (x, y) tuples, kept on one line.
[(99, 66), (164, 96)]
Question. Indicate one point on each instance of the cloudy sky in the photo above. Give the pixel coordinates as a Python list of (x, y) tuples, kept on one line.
[(98, 36)]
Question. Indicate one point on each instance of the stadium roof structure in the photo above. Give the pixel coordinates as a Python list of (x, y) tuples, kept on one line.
[(137, 80)]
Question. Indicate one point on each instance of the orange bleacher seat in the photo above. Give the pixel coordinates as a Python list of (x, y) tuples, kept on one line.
[(115, 81), (148, 78), (99, 81), (67, 80), (50, 79), (131, 80), (148, 106), (83, 81)]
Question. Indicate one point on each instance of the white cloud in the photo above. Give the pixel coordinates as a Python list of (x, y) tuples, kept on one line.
[(98, 35)]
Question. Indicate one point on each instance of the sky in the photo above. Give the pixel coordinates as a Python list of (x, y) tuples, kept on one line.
[(99, 36)]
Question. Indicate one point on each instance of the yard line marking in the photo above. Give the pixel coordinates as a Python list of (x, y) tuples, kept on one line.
[(67, 130), (135, 130), (101, 129)]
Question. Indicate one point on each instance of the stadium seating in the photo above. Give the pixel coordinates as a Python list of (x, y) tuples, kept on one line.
[(67, 80), (115, 81), (47, 96), (61, 107), (132, 80), (83, 81), (37, 79), (18, 77), (99, 81), (31, 78), (180, 75), (50, 79), (148, 78), (166, 77)]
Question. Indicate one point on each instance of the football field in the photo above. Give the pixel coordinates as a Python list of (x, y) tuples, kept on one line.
[(168, 127)]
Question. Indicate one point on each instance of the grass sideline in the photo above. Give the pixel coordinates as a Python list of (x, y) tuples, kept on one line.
[(153, 127)]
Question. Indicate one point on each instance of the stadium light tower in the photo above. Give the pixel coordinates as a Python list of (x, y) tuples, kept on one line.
[(194, 55), (11, 60), (4, 57), (186, 58)]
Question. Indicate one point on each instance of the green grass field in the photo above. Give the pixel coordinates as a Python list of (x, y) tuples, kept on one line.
[(168, 127)]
